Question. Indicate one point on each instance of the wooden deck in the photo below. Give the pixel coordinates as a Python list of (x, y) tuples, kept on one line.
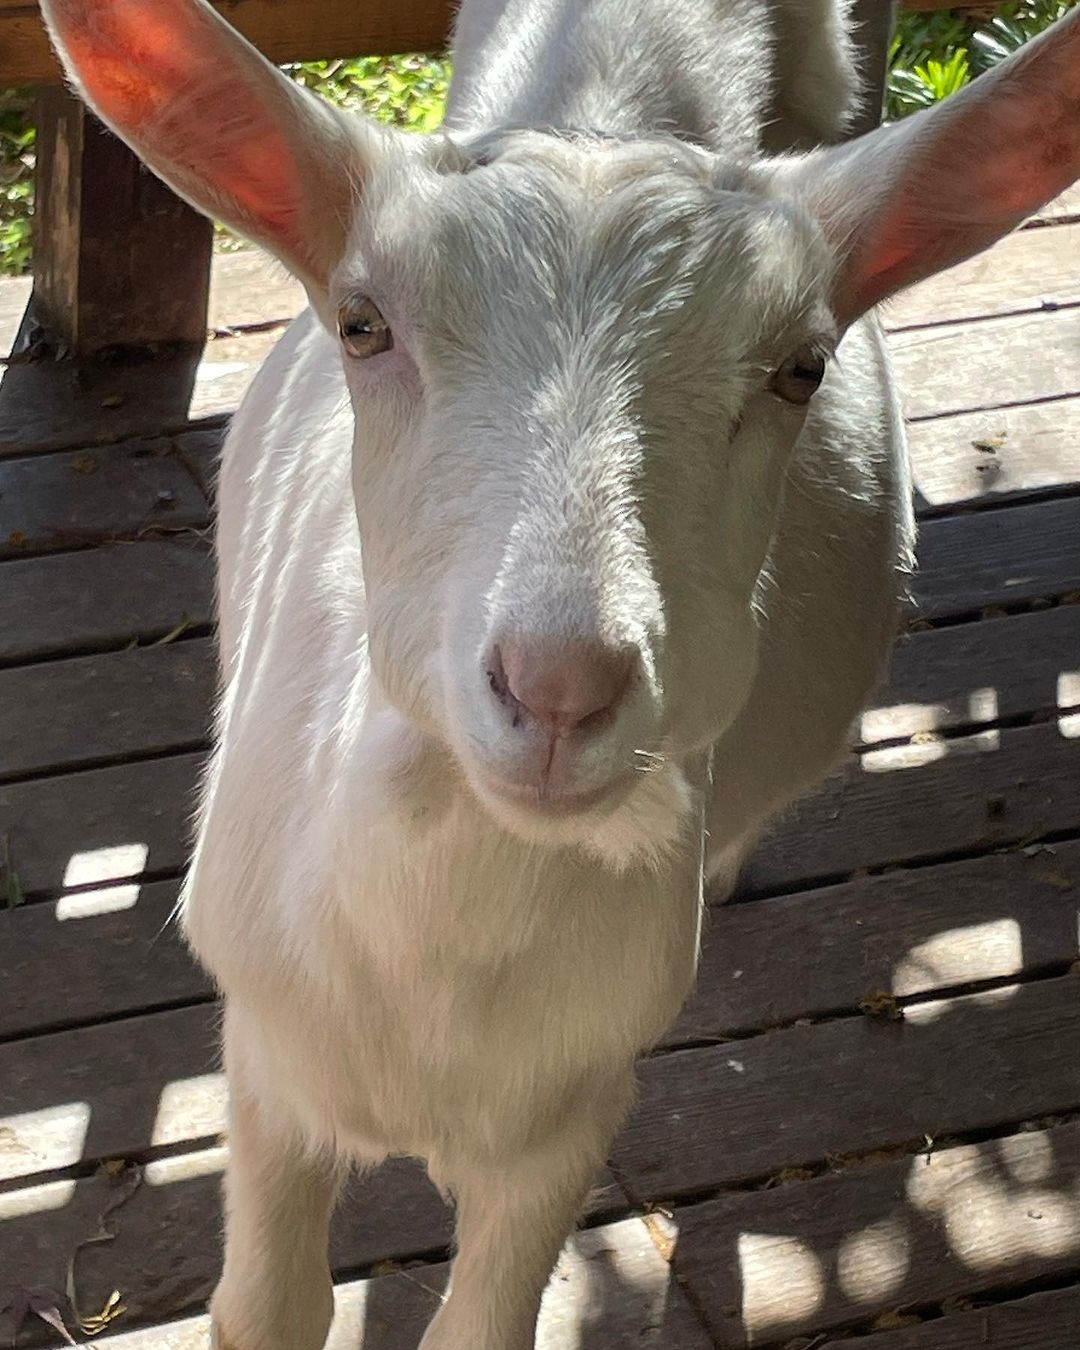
[(864, 1132)]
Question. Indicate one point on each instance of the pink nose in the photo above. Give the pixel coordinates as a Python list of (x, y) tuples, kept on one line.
[(562, 683)]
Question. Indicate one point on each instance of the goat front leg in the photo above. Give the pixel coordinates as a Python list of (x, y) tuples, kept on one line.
[(511, 1224), (275, 1291)]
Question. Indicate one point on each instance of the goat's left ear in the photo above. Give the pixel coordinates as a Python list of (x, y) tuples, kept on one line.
[(909, 200), (221, 125)]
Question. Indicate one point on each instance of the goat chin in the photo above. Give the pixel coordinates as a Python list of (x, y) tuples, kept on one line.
[(635, 825)]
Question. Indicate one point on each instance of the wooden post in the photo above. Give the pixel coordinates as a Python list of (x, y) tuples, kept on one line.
[(119, 259), (875, 22)]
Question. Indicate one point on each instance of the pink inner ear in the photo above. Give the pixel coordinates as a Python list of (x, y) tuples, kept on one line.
[(979, 165), (142, 62)]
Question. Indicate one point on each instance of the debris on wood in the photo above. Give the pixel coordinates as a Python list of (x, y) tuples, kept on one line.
[(85, 464), (113, 401), (662, 1235), (786, 1175), (173, 633), (129, 1177), (990, 445), (894, 1320), (880, 1004), (20, 1303)]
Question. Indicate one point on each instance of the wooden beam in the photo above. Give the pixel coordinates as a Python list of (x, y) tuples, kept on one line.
[(119, 260), (875, 21), (296, 30), (293, 30)]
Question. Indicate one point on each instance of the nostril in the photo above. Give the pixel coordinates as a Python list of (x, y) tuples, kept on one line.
[(571, 684)]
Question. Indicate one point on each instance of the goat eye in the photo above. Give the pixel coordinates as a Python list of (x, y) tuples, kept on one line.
[(364, 331), (798, 378)]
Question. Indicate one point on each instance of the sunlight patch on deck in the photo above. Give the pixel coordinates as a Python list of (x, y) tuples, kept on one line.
[(872, 1264), (922, 1014), (899, 719), (980, 951), (38, 1141), (991, 1218), (919, 727), (36, 1199), (611, 1275), (1068, 696), (191, 1108), (116, 862), (105, 900), (1028, 1158), (783, 1280), (204, 1162)]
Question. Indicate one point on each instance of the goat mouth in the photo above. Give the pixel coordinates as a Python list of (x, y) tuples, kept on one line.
[(552, 803)]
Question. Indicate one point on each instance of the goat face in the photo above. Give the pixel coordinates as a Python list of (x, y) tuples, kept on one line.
[(578, 371)]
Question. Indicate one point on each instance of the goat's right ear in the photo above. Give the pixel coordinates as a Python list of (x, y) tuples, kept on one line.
[(909, 200), (221, 125)]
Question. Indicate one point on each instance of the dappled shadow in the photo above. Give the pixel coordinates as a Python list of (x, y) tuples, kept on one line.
[(873, 1206)]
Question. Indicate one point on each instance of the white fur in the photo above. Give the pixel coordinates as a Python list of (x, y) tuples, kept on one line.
[(573, 435)]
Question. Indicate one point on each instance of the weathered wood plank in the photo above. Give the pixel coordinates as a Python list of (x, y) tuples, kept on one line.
[(166, 1255), (1005, 557), (1028, 270), (700, 1124), (94, 708), (51, 405), (103, 597), (1026, 787), (119, 259), (283, 32), (63, 714), (96, 955), (731, 1113), (122, 1088), (611, 1288), (94, 496), (102, 825), (976, 672), (975, 457), (55, 405), (246, 287), (763, 964), (820, 952), (1018, 358), (109, 1091), (1038, 1322), (846, 1247)]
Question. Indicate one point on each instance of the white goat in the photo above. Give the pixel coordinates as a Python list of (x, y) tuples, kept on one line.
[(623, 574)]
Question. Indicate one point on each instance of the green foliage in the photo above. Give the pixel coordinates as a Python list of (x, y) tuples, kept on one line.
[(932, 55), (406, 91), (16, 179), (936, 53)]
